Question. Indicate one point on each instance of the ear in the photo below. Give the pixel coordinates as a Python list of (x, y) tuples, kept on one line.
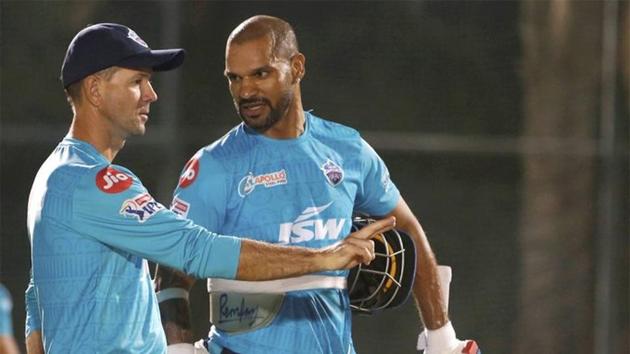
[(91, 88), (298, 68)]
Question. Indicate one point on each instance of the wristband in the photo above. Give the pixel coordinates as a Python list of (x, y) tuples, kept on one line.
[(443, 337), (171, 293)]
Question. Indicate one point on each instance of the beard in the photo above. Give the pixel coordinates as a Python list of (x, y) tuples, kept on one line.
[(263, 123)]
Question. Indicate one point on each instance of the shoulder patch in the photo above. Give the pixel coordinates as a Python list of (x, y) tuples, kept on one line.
[(180, 207), (110, 180), (191, 170), (142, 207)]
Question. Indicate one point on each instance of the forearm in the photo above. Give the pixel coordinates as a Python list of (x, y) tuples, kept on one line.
[(263, 261), (426, 288), (175, 313), (176, 321), (34, 343), (166, 277), (8, 345)]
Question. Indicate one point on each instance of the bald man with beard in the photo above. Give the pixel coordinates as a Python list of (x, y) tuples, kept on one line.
[(287, 176)]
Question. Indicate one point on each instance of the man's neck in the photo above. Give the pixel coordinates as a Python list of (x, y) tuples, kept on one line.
[(291, 126), (92, 131)]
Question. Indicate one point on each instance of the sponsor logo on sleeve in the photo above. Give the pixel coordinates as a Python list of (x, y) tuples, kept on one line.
[(141, 207), (310, 226), (110, 180), (386, 181), (180, 207), (191, 170), (333, 172), (249, 182)]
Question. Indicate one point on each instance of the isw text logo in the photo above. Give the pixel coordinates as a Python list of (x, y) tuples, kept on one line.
[(306, 228)]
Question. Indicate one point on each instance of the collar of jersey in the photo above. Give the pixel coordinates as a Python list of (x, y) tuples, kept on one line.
[(281, 142), (87, 147)]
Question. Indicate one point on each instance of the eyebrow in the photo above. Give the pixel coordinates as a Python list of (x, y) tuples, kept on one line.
[(142, 74), (261, 68)]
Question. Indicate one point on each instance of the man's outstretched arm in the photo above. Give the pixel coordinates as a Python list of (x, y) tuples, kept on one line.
[(264, 261)]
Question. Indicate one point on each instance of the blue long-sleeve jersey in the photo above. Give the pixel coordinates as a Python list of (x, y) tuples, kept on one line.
[(92, 225), (6, 305)]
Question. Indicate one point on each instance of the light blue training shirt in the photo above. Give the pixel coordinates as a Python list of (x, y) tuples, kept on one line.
[(92, 225), (6, 305), (301, 192)]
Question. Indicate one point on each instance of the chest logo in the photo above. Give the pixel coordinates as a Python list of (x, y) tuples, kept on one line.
[(333, 173), (249, 182), (310, 226)]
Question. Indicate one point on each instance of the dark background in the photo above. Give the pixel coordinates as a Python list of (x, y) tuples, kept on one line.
[(438, 88)]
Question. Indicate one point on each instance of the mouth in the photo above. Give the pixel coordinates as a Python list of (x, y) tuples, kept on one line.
[(252, 109), (144, 116)]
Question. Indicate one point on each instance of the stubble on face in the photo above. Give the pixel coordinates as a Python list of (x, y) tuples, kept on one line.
[(262, 123)]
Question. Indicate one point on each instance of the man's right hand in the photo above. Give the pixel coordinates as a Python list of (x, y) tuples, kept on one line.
[(444, 341), (263, 261), (358, 247)]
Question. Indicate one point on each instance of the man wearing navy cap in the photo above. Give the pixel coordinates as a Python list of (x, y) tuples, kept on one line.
[(92, 224)]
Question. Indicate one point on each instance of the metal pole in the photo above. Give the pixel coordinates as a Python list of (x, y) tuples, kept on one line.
[(609, 192), (169, 103)]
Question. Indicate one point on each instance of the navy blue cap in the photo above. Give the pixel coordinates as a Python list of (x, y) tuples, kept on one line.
[(103, 45)]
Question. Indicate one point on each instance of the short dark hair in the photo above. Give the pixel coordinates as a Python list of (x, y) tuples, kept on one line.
[(73, 91), (283, 40)]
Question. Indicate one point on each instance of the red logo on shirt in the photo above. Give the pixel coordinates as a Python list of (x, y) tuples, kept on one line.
[(110, 180), (191, 170)]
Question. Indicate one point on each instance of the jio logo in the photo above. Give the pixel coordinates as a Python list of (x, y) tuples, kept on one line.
[(110, 180)]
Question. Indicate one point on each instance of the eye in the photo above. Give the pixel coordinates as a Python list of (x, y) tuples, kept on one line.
[(261, 74), (232, 77)]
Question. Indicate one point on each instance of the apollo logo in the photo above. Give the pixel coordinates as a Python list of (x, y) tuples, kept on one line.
[(250, 181), (306, 227)]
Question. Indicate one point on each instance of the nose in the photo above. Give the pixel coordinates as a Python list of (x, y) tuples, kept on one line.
[(149, 94), (248, 88)]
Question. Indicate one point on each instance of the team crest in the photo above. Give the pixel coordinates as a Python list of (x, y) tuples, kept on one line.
[(142, 207), (249, 182), (332, 172), (134, 37)]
